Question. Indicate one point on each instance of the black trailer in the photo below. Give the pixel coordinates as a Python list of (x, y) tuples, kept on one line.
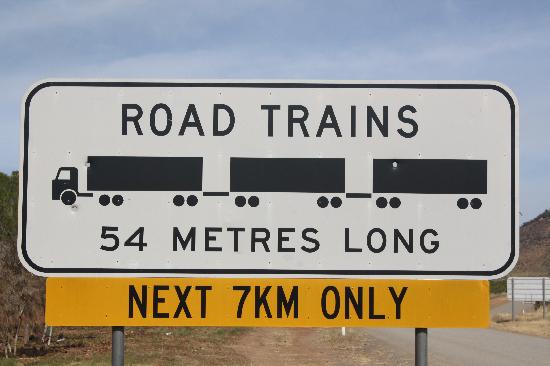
[(430, 176), (132, 173), (298, 175)]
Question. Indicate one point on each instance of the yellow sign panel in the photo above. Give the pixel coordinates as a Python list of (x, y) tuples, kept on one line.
[(266, 302)]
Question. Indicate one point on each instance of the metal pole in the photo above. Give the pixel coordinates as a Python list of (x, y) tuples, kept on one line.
[(117, 358), (543, 298), (421, 347), (513, 300)]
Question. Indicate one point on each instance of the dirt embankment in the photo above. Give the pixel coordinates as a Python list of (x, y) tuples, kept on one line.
[(313, 346)]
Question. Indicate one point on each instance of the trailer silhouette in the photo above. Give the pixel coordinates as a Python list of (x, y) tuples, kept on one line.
[(324, 177), (299, 175), (429, 176)]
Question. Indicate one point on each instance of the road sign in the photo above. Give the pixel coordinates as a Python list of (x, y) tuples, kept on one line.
[(528, 289), (266, 302), (303, 179)]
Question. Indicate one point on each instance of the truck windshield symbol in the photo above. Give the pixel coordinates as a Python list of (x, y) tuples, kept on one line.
[(249, 177)]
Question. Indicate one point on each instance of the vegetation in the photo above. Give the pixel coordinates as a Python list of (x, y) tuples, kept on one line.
[(497, 286), (21, 293), (8, 206)]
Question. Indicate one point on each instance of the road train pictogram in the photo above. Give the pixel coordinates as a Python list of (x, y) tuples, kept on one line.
[(113, 176)]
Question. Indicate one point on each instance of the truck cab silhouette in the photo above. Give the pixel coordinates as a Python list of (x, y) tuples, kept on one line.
[(65, 185)]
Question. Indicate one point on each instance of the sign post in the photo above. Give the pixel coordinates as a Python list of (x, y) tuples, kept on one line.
[(117, 358), (421, 347), (543, 298), (513, 301)]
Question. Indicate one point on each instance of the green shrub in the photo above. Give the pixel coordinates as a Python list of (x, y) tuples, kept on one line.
[(8, 206), (497, 286)]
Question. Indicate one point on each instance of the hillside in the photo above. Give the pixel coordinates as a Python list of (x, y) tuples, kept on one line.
[(534, 257)]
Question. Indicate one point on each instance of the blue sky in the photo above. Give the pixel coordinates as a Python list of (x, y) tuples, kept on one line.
[(506, 41)]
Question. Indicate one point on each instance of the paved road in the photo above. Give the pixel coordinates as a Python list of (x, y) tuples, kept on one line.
[(469, 346), (519, 308)]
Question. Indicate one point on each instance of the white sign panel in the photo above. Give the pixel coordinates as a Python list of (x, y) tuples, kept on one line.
[(293, 179), (528, 289)]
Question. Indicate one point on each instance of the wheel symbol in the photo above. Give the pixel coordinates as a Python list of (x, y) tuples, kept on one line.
[(68, 197), (117, 200), (104, 200), (381, 202), (395, 202), (322, 202), (178, 200), (192, 200), (336, 202), (253, 201), (475, 203), (240, 201), (462, 203)]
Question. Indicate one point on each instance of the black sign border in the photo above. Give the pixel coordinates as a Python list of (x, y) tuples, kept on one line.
[(278, 85)]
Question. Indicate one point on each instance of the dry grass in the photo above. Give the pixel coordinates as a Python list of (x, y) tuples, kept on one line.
[(529, 323), (143, 346), (502, 317)]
